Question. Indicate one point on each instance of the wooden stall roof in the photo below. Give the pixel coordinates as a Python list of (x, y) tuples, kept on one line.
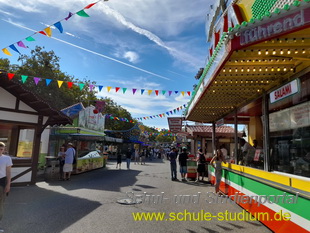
[(17, 89), (206, 130), (243, 74)]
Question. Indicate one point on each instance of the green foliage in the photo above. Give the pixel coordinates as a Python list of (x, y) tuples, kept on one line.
[(164, 138)]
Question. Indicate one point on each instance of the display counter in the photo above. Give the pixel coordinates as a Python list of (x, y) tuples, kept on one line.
[(88, 161)]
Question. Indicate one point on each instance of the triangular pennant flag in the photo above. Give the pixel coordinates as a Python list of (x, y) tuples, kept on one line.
[(142, 91), (81, 85), (70, 84), (184, 105), (164, 115), (42, 32), (10, 76), (24, 78), (182, 92), (6, 51), (30, 38), (171, 112), (109, 89), (91, 87), (117, 89), (48, 81), (21, 44), (36, 80), (134, 91), (14, 48), (59, 83), (69, 16), (82, 13), (100, 87), (89, 5), (176, 92), (156, 92), (48, 31), (167, 113), (124, 90), (170, 92), (181, 107), (59, 27), (178, 109), (174, 110), (189, 94), (149, 92), (163, 92)]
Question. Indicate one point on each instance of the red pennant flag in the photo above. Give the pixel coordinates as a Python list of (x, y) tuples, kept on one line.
[(117, 89), (156, 92), (70, 84), (189, 93), (89, 6), (43, 33), (10, 76)]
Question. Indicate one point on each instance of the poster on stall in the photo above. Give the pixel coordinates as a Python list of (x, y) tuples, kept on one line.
[(89, 119)]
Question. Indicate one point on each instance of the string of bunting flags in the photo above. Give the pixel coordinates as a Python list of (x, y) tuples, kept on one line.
[(168, 113), (48, 30), (92, 87)]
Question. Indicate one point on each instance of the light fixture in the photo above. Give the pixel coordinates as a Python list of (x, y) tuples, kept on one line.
[(266, 52), (259, 52)]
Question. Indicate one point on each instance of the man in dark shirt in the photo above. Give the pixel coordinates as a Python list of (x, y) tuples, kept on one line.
[(183, 163), (172, 156)]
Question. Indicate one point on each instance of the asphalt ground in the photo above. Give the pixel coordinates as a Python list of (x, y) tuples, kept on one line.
[(104, 200)]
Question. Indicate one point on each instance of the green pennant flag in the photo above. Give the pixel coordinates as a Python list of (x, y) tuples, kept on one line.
[(82, 13), (30, 38), (124, 90), (81, 86), (164, 92), (24, 78)]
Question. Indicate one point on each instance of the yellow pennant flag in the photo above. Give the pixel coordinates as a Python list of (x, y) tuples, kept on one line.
[(60, 83), (183, 92), (149, 92), (6, 51), (109, 89), (48, 31)]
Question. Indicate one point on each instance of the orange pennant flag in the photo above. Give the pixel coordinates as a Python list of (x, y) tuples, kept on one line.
[(182, 92), (149, 92), (6, 51), (48, 31), (109, 89), (60, 83)]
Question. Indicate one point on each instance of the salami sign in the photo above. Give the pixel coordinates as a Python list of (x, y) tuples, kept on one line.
[(175, 124), (284, 91)]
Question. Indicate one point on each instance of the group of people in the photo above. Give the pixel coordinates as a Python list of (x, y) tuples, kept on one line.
[(182, 158), (66, 158)]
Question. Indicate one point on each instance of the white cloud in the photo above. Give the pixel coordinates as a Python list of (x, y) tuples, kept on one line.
[(131, 56)]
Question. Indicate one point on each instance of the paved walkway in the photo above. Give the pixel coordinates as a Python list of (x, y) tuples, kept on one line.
[(89, 203)]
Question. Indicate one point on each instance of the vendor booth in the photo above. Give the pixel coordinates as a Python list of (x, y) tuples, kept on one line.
[(23, 117), (257, 74)]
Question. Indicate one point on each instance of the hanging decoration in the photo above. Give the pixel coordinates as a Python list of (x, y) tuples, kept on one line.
[(48, 30), (100, 87)]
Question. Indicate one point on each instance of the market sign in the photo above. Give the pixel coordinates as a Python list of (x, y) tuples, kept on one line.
[(276, 27), (175, 124), (284, 91)]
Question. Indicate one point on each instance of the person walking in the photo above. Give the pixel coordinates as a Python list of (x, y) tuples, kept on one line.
[(173, 164), (217, 160), (119, 161), (137, 156), (182, 158), (128, 158), (61, 159), (69, 157), (5, 177), (201, 169)]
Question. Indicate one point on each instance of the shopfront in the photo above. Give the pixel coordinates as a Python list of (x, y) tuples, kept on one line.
[(23, 117), (258, 74)]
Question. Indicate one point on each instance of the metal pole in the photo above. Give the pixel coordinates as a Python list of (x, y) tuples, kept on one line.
[(236, 137), (266, 132), (213, 139)]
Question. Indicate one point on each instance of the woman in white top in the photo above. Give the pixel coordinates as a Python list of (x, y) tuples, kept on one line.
[(217, 160)]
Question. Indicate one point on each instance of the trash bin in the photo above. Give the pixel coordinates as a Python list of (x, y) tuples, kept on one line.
[(191, 168)]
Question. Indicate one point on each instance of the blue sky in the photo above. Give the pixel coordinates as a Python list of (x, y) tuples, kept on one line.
[(142, 44)]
